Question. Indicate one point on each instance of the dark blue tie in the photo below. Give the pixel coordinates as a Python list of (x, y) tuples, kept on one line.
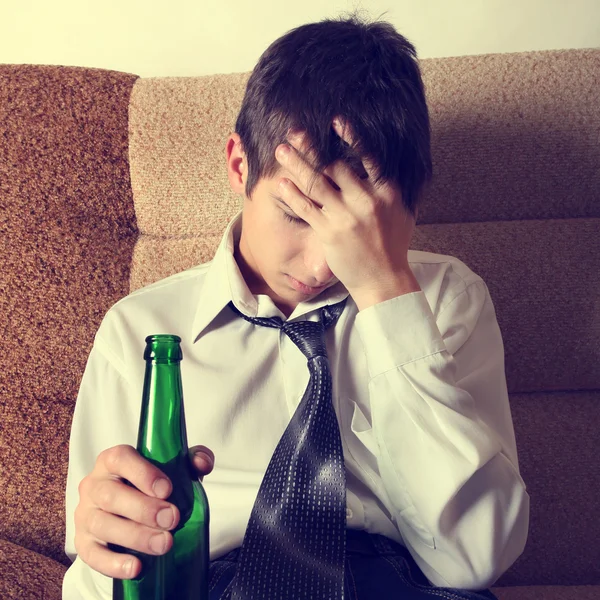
[(294, 546)]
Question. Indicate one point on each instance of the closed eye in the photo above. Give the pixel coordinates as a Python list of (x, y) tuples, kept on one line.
[(293, 219), (286, 215)]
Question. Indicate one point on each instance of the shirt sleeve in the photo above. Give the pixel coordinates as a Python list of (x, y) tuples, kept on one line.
[(106, 414), (442, 429)]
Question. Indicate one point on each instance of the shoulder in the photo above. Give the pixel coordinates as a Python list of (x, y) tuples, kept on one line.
[(168, 293), (443, 278), (165, 306)]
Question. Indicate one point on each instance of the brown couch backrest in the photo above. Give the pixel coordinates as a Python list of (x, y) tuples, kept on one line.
[(109, 182)]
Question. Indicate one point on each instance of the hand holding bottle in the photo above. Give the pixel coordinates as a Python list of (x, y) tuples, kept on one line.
[(110, 511)]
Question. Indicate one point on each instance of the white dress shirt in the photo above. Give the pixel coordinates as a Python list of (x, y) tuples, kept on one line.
[(419, 390)]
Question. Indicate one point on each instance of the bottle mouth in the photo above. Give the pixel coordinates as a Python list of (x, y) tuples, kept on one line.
[(163, 348)]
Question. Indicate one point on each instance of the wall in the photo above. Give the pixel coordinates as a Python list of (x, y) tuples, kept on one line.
[(196, 37)]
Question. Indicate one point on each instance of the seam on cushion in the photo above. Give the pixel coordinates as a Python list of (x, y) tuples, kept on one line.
[(175, 237)]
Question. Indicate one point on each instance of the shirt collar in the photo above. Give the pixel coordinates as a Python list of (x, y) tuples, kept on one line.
[(224, 283)]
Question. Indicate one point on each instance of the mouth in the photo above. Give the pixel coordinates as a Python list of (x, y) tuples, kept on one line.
[(303, 288)]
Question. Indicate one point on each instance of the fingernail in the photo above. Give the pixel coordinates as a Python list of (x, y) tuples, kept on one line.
[(161, 488), (158, 543), (202, 455), (165, 518), (127, 566)]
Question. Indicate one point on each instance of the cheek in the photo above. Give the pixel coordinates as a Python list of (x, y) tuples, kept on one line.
[(286, 245)]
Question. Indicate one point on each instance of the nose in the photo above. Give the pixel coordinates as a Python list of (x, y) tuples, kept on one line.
[(317, 270)]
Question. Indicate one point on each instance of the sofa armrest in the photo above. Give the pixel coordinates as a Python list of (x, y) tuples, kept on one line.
[(27, 575)]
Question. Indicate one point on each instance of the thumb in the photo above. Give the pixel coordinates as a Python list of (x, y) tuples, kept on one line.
[(203, 460)]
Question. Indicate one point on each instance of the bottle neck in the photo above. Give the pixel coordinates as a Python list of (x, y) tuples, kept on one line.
[(162, 434)]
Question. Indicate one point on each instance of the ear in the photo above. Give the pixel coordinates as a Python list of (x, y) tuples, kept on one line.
[(237, 166)]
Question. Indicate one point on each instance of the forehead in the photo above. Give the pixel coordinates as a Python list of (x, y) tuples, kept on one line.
[(353, 162)]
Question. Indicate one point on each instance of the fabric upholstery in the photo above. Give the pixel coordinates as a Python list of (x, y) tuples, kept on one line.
[(548, 592), (27, 575), (67, 229), (178, 128), (109, 182)]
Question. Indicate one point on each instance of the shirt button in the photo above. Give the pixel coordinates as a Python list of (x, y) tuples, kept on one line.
[(349, 513)]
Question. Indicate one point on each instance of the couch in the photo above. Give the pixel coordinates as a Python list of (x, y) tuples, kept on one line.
[(110, 181)]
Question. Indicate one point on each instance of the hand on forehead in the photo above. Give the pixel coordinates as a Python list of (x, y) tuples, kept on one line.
[(298, 139)]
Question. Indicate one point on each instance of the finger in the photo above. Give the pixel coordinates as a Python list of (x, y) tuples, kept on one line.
[(298, 140), (106, 528), (121, 565), (109, 563), (203, 460), (356, 168), (344, 129), (305, 208), (311, 183), (117, 498), (125, 462)]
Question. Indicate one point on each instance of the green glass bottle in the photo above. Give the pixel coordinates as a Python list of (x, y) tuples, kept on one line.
[(182, 573)]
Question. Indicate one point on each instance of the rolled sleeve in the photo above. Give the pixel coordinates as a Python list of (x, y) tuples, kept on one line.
[(442, 425)]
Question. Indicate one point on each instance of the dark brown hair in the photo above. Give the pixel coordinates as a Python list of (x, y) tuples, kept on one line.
[(365, 72)]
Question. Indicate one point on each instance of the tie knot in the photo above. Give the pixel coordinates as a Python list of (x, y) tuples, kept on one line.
[(307, 335)]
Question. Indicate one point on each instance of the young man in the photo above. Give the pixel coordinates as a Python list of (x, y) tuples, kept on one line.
[(331, 152)]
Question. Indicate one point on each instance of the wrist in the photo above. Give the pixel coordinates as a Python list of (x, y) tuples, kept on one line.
[(403, 282)]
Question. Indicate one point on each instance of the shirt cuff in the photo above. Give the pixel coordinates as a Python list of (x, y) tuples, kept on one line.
[(398, 331)]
